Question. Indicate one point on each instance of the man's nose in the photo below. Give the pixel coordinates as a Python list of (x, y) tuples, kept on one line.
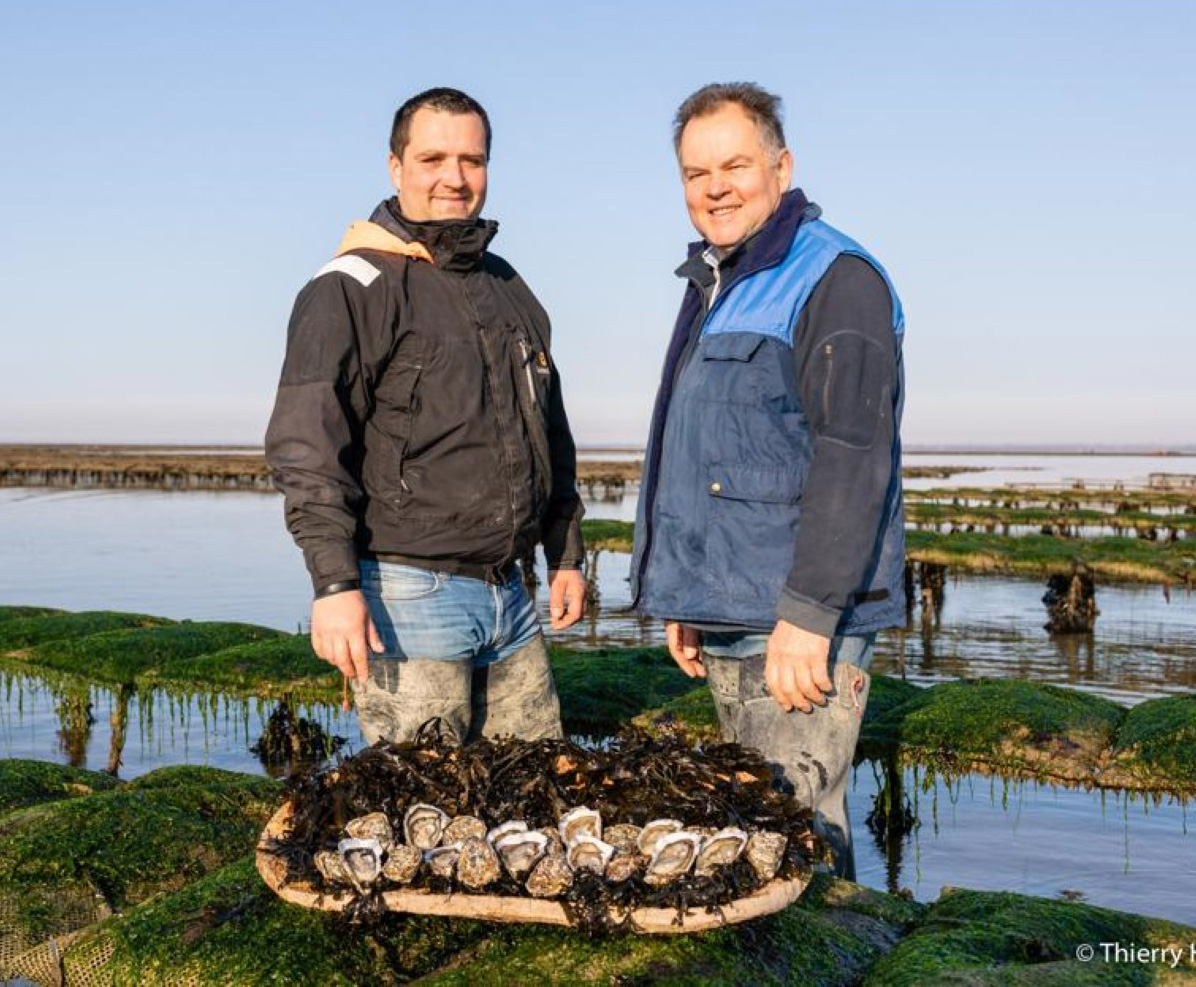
[(453, 174), (717, 187)]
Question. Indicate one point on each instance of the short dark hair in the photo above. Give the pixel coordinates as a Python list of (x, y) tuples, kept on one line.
[(762, 106), (443, 99)]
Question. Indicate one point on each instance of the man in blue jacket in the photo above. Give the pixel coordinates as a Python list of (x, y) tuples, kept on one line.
[(770, 530)]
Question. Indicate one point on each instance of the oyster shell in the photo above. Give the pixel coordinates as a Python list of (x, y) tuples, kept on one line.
[(402, 863), (624, 837), (505, 829), (589, 853), (580, 822), (461, 828), (521, 851), (442, 860), (625, 865), (764, 852), (551, 877), (555, 845), (674, 855), (375, 826), (362, 859), (478, 863), (332, 868), (423, 825), (652, 832), (719, 849)]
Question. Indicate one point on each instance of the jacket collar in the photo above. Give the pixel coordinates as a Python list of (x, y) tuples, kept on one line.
[(765, 248), (455, 244)]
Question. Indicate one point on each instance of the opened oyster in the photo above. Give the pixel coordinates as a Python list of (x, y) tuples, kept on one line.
[(589, 853), (402, 863), (461, 828), (551, 877), (651, 834), (442, 860), (375, 826), (520, 852), (580, 822), (555, 844), (719, 849), (764, 852), (362, 859), (674, 855), (623, 837), (423, 825), (505, 829), (478, 864)]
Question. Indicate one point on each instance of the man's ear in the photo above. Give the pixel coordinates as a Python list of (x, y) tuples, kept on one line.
[(785, 168), (393, 165)]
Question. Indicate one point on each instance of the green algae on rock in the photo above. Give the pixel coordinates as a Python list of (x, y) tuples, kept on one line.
[(1155, 747), (274, 668), (21, 632), (120, 656), (1023, 728), (980, 937), (16, 612), (24, 783), (691, 714)]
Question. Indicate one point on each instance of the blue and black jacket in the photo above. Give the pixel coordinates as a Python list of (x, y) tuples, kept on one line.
[(772, 486)]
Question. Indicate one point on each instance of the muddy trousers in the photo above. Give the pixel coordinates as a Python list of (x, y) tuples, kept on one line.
[(813, 751), (512, 697)]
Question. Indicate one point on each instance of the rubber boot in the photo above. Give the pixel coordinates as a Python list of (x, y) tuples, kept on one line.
[(517, 697), (402, 694)]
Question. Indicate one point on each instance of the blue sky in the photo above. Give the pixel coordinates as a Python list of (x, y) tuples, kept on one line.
[(172, 173)]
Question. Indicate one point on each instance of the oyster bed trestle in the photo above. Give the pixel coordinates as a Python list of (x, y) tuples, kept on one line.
[(647, 834)]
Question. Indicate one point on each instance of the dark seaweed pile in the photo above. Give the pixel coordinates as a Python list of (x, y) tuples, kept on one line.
[(637, 778)]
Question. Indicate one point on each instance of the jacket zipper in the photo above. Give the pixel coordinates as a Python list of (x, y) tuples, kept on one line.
[(525, 352), (828, 351)]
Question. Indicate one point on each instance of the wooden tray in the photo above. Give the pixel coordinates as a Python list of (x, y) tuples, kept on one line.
[(772, 897)]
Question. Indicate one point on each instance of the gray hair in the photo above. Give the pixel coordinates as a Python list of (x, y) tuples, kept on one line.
[(760, 105)]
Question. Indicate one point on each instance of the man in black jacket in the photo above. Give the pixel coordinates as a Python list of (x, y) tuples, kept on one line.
[(422, 446)]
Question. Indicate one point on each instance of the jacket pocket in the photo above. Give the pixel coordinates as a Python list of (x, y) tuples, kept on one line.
[(396, 403), (753, 514)]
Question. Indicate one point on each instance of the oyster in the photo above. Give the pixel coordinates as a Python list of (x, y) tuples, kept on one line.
[(505, 829), (589, 853), (764, 852), (623, 837), (580, 822), (719, 849), (362, 859), (674, 855), (521, 851), (402, 863), (652, 832), (375, 826), (463, 828), (551, 877), (478, 863), (332, 868), (625, 865), (555, 845), (442, 860), (423, 825)]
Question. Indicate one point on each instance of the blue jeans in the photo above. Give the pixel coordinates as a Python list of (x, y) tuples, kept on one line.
[(457, 649), (425, 614)]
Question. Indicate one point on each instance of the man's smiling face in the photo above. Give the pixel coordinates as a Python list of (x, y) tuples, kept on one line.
[(733, 180), (442, 173)]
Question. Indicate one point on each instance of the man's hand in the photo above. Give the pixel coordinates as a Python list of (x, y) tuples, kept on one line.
[(795, 667), (342, 633), (684, 642), (566, 597)]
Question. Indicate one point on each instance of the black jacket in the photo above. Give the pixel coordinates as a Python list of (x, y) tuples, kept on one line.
[(419, 413)]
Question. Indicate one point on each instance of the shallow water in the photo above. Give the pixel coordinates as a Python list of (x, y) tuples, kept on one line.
[(207, 556)]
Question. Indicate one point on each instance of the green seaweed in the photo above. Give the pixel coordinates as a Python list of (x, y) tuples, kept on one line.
[(24, 783), (601, 690), (120, 656), (19, 633), (1008, 724), (692, 713), (16, 612), (978, 937), (1157, 743), (607, 535), (273, 668)]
